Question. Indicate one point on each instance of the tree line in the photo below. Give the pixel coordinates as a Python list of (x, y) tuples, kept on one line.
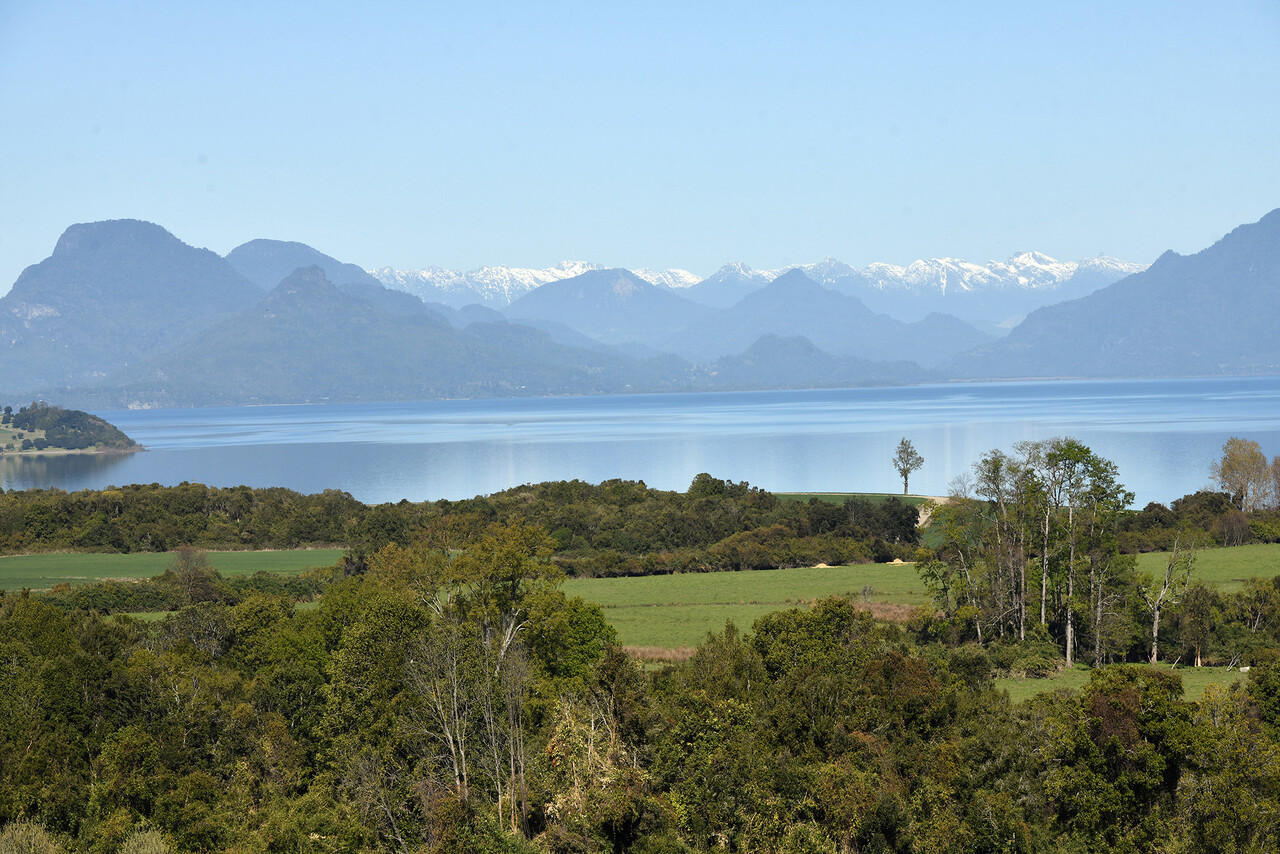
[(613, 528), (1035, 559), (616, 527)]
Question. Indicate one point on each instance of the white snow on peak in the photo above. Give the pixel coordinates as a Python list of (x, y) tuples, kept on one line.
[(673, 278), (1026, 270), (499, 286), (825, 271), (737, 269), (1107, 264), (490, 285)]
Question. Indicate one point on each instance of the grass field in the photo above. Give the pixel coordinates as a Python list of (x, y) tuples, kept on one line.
[(1225, 569), (1194, 681), (43, 571), (678, 610)]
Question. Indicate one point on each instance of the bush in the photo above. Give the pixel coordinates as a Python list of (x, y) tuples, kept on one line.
[(27, 837), (146, 842)]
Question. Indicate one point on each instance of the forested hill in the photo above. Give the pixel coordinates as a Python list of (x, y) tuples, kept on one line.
[(42, 427)]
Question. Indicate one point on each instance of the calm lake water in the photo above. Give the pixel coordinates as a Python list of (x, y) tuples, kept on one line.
[(1163, 435)]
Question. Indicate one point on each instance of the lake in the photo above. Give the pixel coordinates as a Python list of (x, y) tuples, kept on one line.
[(1162, 434)]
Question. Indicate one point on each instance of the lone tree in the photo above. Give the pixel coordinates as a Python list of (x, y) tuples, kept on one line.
[(906, 460), (1242, 472)]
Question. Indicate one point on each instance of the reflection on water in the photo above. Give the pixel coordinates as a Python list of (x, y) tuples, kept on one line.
[(1162, 434), (45, 471)]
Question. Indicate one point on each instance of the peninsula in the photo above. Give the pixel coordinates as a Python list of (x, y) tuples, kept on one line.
[(40, 428)]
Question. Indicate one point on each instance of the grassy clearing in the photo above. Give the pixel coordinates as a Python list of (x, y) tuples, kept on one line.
[(1225, 569), (673, 611), (662, 617), (9, 440), (1194, 681), (43, 571)]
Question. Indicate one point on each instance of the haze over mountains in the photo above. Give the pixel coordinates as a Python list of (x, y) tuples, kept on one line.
[(994, 296), (122, 313)]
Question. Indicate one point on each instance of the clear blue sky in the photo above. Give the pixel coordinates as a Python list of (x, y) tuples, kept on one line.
[(642, 134)]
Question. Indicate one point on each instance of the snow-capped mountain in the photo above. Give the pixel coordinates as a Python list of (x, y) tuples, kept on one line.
[(493, 286), (993, 296), (1033, 270), (675, 279), (501, 286)]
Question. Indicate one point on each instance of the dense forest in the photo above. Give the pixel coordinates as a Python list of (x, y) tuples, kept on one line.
[(444, 695)]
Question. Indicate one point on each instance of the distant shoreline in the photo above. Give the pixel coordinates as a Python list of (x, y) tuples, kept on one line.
[(63, 452)]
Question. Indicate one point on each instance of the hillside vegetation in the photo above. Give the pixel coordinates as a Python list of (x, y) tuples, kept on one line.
[(449, 694), (42, 427)]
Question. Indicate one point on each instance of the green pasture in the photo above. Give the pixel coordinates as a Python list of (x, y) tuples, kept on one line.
[(43, 571), (1194, 681), (678, 610), (1225, 569)]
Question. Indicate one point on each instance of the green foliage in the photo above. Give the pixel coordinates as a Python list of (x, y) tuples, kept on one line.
[(68, 429), (146, 842), (615, 528), (1119, 754), (452, 692), (26, 837)]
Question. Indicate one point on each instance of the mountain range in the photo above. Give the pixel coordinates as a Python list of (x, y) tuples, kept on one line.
[(993, 297), (123, 313)]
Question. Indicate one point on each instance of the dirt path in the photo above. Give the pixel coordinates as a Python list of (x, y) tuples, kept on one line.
[(926, 510)]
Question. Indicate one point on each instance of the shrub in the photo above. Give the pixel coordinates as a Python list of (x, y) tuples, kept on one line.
[(27, 837)]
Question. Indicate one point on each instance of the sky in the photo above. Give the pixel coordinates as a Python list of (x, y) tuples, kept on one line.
[(650, 134)]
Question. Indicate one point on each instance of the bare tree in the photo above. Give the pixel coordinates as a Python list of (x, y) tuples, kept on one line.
[(1168, 590), (1275, 482), (443, 673), (373, 787)]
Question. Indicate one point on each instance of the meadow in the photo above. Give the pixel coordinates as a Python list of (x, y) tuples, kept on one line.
[(1194, 681), (1224, 569), (44, 571), (673, 611)]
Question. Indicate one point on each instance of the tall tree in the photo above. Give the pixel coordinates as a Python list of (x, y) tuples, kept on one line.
[(1047, 480), (1242, 472), (1008, 488), (1168, 589), (1073, 460), (906, 460)]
